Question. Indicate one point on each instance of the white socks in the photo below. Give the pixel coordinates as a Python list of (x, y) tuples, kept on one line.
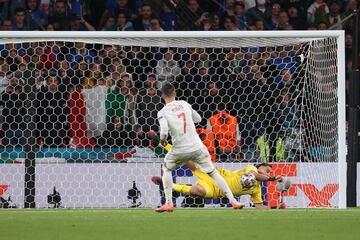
[(222, 185), (167, 182)]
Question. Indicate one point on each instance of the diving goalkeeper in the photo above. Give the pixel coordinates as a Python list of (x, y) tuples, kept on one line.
[(205, 187)]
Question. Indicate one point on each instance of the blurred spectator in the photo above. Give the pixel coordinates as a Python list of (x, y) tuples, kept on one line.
[(13, 57), (288, 112), (59, 19), (8, 8), (109, 24), (322, 26), (80, 24), (122, 23), (114, 7), (148, 104), (80, 53), (317, 12), (285, 78), (41, 56), (19, 24), (295, 20), (53, 113), (226, 131), (209, 100), (168, 18), (229, 24), (92, 76), (185, 78), (117, 134), (240, 16), (167, 68), (155, 25), (351, 6), (229, 10), (283, 21), (5, 74), (142, 23), (38, 18), (203, 60), (215, 22), (249, 4), (334, 16), (130, 92), (13, 112), (259, 25), (191, 15), (205, 24), (94, 10), (50, 27), (6, 25), (76, 8), (284, 128), (260, 12), (115, 103), (348, 46), (275, 12)]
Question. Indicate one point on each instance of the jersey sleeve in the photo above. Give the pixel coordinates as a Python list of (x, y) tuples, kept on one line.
[(164, 126), (195, 115), (256, 197), (250, 169)]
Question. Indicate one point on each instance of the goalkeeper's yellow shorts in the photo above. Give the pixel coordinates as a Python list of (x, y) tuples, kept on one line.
[(205, 181)]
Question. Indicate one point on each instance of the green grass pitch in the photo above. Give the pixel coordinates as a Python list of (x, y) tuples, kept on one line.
[(184, 224)]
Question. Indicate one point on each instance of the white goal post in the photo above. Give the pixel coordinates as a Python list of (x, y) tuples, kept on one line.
[(317, 62)]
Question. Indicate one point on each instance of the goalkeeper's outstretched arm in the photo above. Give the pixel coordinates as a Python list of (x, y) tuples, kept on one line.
[(264, 177)]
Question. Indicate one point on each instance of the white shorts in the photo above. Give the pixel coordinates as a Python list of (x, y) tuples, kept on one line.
[(201, 159)]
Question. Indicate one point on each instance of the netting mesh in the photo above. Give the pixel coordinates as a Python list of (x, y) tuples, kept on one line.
[(89, 111)]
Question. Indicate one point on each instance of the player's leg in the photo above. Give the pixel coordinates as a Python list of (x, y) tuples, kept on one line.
[(195, 190), (167, 183), (203, 160), (169, 164)]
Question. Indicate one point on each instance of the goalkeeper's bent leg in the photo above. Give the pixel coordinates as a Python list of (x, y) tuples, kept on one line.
[(222, 185), (168, 184)]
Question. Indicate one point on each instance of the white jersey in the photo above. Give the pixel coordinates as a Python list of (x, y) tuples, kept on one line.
[(178, 118)]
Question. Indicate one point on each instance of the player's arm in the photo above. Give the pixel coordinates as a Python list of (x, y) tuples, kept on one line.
[(263, 177), (164, 129), (256, 198), (195, 115)]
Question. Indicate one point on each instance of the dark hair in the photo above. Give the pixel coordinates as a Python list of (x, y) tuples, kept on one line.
[(240, 4), (20, 9), (263, 165), (167, 89)]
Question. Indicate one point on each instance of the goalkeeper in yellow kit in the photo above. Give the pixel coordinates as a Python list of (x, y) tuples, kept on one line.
[(205, 187)]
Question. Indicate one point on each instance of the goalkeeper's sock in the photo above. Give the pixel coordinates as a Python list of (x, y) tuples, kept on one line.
[(185, 189), (168, 183), (222, 185)]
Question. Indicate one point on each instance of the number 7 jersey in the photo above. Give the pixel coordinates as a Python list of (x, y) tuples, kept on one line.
[(178, 118)]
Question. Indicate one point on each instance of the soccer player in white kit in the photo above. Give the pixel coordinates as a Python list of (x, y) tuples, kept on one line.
[(178, 118)]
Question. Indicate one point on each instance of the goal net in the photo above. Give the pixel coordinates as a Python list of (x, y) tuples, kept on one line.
[(79, 115)]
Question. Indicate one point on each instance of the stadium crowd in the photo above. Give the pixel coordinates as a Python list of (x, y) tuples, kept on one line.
[(251, 91)]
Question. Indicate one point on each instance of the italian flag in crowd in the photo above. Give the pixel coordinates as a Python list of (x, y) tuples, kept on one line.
[(90, 112)]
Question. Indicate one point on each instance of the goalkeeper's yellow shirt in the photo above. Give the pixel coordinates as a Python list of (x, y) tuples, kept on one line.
[(233, 180)]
